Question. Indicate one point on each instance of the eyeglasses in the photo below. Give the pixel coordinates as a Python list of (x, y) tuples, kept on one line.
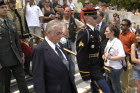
[(124, 24), (114, 16), (59, 33), (47, 2), (87, 3)]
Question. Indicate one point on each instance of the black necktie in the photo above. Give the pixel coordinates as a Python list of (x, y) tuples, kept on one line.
[(5, 23), (61, 56), (97, 27)]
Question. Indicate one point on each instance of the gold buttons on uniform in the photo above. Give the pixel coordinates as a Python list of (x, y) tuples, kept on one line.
[(92, 46), (91, 36)]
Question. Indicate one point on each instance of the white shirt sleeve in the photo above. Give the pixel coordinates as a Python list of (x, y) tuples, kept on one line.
[(40, 12), (121, 52)]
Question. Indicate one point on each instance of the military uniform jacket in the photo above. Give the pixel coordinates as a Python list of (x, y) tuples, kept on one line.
[(87, 46), (10, 50)]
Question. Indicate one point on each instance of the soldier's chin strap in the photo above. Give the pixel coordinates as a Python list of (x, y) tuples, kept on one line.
[(63, 48)]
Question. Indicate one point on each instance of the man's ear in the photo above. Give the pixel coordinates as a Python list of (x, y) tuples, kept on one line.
[(48, 32)]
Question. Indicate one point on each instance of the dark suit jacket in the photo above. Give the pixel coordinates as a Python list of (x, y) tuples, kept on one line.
[(10, 50), (50, 75), (104, 39)]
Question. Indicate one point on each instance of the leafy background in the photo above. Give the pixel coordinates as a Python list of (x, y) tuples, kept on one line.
[(127, 4)]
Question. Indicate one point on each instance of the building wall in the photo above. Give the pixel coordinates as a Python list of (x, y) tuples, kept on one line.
[(126, 15)]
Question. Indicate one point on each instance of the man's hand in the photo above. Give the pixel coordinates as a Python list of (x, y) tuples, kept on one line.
[(107, 55), (0, 66), (22, 59)]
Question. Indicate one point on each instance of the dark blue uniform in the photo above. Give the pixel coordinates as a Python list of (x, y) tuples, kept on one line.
[(89, 59)]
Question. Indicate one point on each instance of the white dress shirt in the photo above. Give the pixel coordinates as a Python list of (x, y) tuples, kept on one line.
[(52, 45)]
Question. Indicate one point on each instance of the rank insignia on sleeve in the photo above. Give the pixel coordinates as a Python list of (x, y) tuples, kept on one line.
[(81, 44), (0, 37)]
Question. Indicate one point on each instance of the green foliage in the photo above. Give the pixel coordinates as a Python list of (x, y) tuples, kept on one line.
[(128, 4)]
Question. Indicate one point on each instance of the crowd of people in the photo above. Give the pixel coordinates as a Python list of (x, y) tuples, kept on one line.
[(108, 53)]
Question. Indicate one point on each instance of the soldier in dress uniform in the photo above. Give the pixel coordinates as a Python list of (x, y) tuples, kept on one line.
[(89, 57), (19, 19), (11, 55)]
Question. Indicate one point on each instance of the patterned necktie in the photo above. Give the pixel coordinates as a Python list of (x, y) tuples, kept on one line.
[(59, 51), (97, 27)]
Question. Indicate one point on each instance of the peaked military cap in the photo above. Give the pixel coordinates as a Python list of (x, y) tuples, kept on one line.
[(91, 12), (2, 3)]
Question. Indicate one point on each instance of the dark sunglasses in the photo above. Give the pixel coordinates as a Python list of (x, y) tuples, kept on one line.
[(124, 24), (87, 3)]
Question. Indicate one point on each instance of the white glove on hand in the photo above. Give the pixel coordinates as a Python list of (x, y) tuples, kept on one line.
[(88, 81)]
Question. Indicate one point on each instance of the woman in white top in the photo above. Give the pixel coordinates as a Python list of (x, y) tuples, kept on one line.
[(135, 57), (113, 54)]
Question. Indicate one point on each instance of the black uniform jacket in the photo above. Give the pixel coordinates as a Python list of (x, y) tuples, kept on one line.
[(89, 55)]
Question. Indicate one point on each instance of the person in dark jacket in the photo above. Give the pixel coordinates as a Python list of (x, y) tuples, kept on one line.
[(51, 67), (11, 55)]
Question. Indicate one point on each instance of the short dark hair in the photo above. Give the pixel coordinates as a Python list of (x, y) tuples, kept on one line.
[(128, 22), (115, 29), (61, 14)]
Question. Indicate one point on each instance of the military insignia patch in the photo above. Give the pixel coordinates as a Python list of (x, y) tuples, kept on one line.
[(81, 44), (92, 46)]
